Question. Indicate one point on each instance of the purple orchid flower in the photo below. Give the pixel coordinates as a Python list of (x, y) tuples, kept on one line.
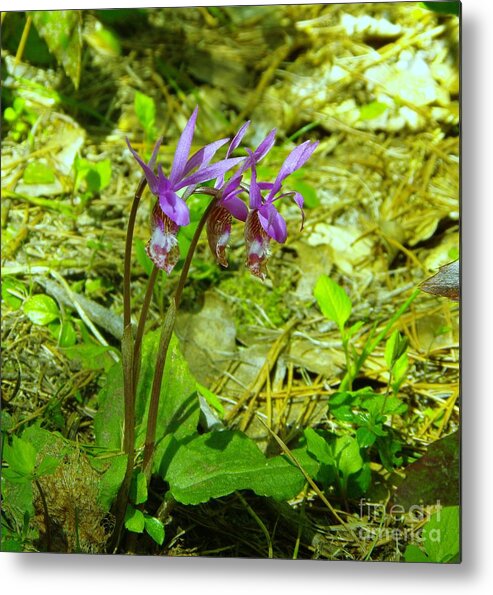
[(264, 221), (229, 204), (171, 212)]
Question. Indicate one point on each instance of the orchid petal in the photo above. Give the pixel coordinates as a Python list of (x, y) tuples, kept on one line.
[(238, 138), (236, 207), (296, 159), (175, 208), (155, 151), (183, 149), (208, 173), (149, 174), (203, 157), (273, 223), (255, 194)]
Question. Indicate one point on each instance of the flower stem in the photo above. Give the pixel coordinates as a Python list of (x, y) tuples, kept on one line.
[(140, 328), (166, 332), (127, 364)]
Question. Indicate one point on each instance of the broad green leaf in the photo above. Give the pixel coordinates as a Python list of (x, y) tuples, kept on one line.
[(108, 423), (318, 446), (37, 172), (41, 309), (112, 473), (155, 528), (372, 110), (134, 520), (90, 356), (333, 301), (67, 336), (395, 347), (414, 554), (47, 466), (218, 463), (62, 31), (441, 535), (346, 452), (138, 489), (365, 437), (21, 456)]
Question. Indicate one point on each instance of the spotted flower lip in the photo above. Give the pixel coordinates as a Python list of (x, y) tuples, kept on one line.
[(165, 188), (230, 204)]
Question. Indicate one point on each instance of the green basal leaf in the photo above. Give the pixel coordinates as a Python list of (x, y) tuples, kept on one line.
[(134, 520), (155, 528), (333, 301), (218, 463), (108, 423), (41, 309), (112, 473), (37, 172), (62, 31), (90, 356), (141, 256), (441, 535)]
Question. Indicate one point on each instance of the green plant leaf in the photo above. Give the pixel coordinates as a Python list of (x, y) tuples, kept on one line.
[(108, 422), (333, 301), (90, 356), (155, 528), (47, 466), (318, 446), (346, 452), (218, 463), (13, 292), (112, 474), (372, 110), (41, 309), (20, 456), (138, 489), (134, 520), (365, 437), (443, 7), (62, 31), (37, 172), (441, 535), (145, 110), (414, 554)]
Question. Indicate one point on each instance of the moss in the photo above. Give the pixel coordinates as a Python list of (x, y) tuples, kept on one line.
[(250, 297)]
